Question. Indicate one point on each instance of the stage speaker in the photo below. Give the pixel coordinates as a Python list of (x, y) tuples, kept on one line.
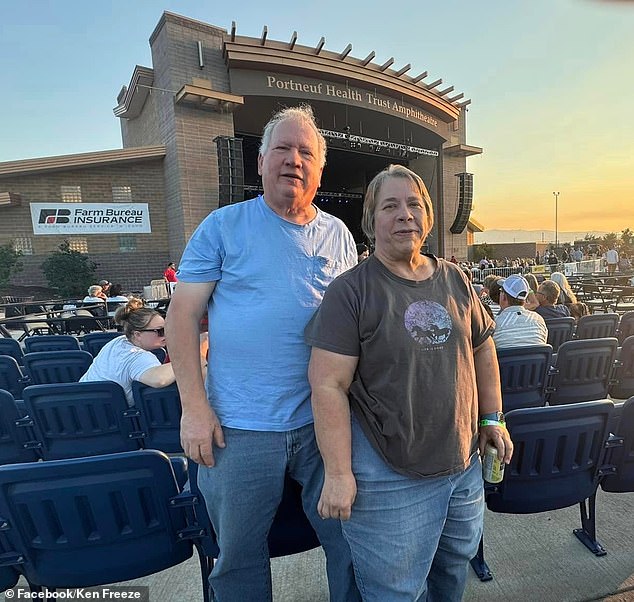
[(465, 200), (230, 170)]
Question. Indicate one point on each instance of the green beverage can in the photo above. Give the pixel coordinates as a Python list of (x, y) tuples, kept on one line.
[(492, 466)]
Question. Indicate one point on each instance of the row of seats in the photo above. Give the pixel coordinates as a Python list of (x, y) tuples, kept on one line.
[(561, 456), (84, 522), (58, 421), (78, 509), (46, 367), (583, 370), (595, 326), (92, 343)]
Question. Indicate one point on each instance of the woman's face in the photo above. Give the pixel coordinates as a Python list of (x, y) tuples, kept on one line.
[(149, 338), (401, 223)]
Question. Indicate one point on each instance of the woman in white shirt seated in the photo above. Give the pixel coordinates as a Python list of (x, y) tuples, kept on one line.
[(129, 357), (116, 299)]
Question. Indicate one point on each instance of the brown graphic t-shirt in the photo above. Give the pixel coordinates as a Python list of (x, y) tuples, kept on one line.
[(414, 391)]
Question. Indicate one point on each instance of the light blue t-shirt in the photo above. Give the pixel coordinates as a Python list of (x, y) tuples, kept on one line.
[(271, 276)]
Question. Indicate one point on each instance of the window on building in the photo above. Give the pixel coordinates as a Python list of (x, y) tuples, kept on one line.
[(122, 194), (24, 244), (127, 243), (71, 194), (78, 244)]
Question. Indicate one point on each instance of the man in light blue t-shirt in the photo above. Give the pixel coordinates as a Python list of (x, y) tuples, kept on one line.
[(260, 269)]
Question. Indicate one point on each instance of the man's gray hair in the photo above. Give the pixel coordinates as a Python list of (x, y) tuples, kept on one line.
[(303, 113)]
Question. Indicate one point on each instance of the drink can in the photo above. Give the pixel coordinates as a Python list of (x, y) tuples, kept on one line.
[(492, 466)]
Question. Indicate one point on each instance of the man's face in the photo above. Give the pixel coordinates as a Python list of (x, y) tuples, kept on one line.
[(401, 223), (291, 168)]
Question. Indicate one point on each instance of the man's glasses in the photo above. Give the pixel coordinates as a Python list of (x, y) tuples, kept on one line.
[(159, 331)]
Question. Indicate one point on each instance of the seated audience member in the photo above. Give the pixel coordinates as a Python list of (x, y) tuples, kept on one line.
[(105, 287), (363, 252), (516, 326), (95, 295), (624, 263), (578, 309), (531, 301), (115, 299), (116, 294), (129, 357), (548, 294), (490, 293), (566, 296)]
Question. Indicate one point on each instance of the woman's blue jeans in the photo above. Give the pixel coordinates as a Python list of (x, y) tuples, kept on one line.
[(412, 539), (242, 493)]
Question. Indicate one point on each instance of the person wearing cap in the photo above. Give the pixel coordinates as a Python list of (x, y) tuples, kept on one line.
[(516, 326)]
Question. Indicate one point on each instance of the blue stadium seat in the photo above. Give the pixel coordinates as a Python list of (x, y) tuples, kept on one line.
[(160, 416), (524, 375), (84, 522), (582, 371), (560, 330), (291, 532), (13, 438), (557, 462), (50, 342), (622, 457), (48, 367), (8, 576), (626, 327), (81, 419), (623, 385), (12, 348), (597, 326), (160, 354), (93, 342), (12, 378)]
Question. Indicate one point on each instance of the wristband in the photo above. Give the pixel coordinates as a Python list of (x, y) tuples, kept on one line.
[(497, 416), (486, 422)]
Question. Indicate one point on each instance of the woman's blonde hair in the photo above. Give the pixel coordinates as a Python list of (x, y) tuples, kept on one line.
[(369, 204), (133, 316)]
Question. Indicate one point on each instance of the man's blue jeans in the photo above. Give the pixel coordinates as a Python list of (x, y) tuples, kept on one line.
[(242, 493), (412, 539)]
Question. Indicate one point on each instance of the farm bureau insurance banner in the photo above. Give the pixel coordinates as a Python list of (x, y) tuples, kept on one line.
[(90, 218)]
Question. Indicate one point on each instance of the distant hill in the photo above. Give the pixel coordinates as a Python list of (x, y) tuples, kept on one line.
[(503, 236)]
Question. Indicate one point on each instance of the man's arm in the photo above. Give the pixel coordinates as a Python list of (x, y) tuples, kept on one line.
[(490, 399), (200, 428), (330, 375)]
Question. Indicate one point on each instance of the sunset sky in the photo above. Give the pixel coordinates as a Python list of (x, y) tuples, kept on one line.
[(551, 83)]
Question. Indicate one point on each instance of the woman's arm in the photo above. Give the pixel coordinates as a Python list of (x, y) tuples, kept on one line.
[(159, 376), (490, 399), (330, 375)]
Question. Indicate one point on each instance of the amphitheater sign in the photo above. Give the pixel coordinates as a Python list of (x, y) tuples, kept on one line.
[(261, 83)]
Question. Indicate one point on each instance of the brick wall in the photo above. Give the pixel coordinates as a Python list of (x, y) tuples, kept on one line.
[(191, 165), (132, 269)]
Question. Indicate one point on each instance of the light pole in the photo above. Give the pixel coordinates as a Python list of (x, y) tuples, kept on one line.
[(556, 195)]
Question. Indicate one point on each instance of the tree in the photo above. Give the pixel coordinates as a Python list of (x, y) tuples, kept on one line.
[(69, 271), (627, 240), (9, 264), (481, 251), (609, 239)]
